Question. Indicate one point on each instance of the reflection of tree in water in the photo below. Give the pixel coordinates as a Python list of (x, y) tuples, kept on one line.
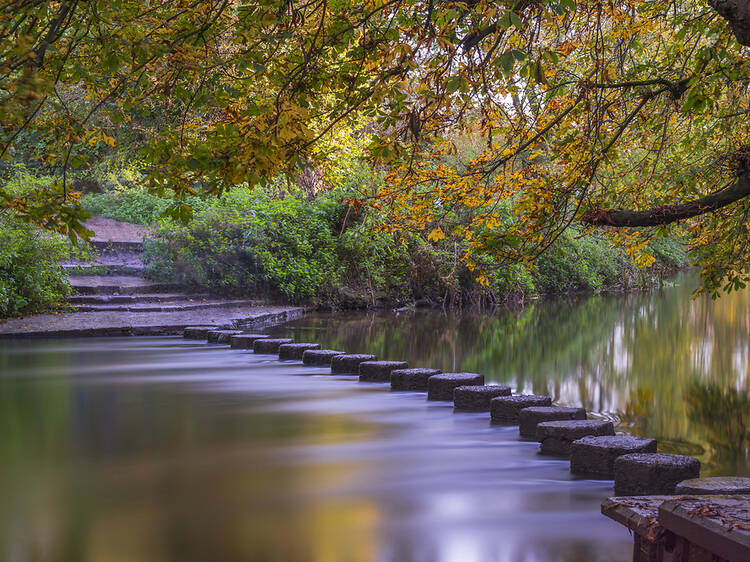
[(723, 413), (631, 357)]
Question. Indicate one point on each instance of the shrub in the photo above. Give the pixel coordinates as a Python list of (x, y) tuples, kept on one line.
[(124, 197), (578, 262), (669, 252), (31, 277), (246, 242)]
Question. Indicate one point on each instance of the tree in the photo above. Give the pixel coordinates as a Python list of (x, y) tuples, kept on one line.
[(618, 114)]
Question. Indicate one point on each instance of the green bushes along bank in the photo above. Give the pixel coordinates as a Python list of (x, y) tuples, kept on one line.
[(320, 251)]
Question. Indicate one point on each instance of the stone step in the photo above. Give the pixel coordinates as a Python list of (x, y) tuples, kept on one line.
[(163, 306), (136, 298), (108, 263), (116, 246), (96, 269), (118, 285)]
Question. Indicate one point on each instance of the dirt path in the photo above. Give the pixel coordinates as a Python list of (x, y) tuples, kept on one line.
[(108, 230)]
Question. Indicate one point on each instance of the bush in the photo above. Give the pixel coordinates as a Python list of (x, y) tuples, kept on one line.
[(134, 205), (246, 242), (301, 250), (669, 252), (578, 262), (31, 277), (124, 198)]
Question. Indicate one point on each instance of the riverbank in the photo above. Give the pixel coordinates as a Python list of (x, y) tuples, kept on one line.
[(126, 323), (112, 297)]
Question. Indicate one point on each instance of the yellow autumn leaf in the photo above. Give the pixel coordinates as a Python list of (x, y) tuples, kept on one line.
[(436, 234)]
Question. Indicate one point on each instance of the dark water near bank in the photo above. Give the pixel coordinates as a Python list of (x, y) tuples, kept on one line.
[(160, 449)]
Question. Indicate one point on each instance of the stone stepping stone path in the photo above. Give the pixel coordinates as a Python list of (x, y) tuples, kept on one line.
[(348, 364), (506, 409), (269, 345), (245, 341), (412, 379), (556, 437), (379, 371), (716, 485), (653, 474), (441, 386), (529, 418), (632, 462), (221, 336), (295, 351), (596, 456), (476, 398), (320, 357)]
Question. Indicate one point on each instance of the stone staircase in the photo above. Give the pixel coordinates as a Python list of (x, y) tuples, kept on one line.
[(112, 296), (114, 281)]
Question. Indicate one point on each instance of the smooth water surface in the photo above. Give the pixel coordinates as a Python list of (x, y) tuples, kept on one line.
[(663, 364), (162, 449)]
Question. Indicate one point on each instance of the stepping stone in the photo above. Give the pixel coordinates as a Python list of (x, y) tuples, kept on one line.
[(722, 485), (245, 341), (504, 409), (477, 398), (295, 350), (412, 379), (528, 418), (197, 332), (319, 357), (379, 371), (269, 345), (596, 455), (440, 387), (349, 364), (556, 436), (221, 336), (653, 474)]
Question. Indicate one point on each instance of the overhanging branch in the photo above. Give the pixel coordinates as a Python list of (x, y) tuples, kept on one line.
[(666, 214)]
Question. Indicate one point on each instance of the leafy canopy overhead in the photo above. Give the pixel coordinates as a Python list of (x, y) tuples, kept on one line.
[(583, 109)]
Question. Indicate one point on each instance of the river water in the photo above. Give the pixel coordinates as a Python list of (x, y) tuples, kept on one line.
[(162, 449)]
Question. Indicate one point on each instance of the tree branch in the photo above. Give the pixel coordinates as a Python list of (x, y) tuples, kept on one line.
[(737, 14), (667, 214)]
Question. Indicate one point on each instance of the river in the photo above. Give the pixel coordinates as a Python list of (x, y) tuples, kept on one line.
[(161, 449)]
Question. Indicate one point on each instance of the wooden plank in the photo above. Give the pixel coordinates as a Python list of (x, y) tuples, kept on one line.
[(719, 524)]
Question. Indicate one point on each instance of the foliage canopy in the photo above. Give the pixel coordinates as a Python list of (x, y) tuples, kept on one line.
[(584, 108)]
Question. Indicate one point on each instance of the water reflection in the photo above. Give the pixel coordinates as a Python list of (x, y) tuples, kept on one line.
[(652, 362), (161, 449), (194, 452)]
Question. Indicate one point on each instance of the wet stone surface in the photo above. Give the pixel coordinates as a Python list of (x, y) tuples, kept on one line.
[(245, 341), (319, 357), (197, 332), (379, 371), (557, 436), (505, 409), (294, 351), (412, 379), (349, 364), (440, 387), (528, 418), (596, 456), (652, 473), (477, 398), (269, 345), (221, 336), (722, 485)]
